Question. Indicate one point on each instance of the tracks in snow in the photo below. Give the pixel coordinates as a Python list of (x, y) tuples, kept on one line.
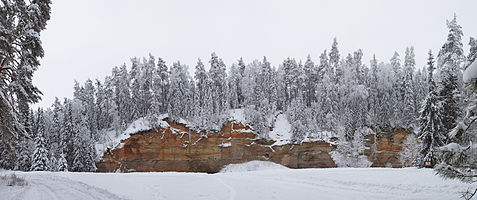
[(51, 187)]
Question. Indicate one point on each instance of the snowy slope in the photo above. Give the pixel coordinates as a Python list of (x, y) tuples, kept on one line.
[(112, 140), (335, 183), (281, 132)]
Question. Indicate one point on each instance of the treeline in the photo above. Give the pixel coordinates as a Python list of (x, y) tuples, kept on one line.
[(335, 93)]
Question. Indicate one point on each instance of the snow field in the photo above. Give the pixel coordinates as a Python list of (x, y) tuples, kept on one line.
[(268, 182)]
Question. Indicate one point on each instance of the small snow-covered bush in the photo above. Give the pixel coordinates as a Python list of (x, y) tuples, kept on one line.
[(12, 180), (350, 153)]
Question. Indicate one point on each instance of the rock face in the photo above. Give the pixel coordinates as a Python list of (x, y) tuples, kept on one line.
[(387, 148), (178, 149)]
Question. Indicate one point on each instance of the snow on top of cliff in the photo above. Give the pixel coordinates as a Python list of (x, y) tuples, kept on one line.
[(255, 165), (471, 72), (238, 116), (281, 132), (111, 139)]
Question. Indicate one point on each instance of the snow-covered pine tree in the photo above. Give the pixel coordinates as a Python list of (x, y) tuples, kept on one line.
[(449, 61), (430, 122), (218, 88), (160, 87), (20, 45), (180, 90), (40, 160)]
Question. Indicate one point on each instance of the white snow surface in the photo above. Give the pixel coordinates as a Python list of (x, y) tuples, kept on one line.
[(333, 183), (255, 165), (237, 115), (470, 72), (281, 132)]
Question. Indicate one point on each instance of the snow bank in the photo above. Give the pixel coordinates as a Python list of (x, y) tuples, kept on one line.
[(252, 166), (470, 72)]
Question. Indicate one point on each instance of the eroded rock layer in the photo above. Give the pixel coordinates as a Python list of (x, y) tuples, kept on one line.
[(176, 148)]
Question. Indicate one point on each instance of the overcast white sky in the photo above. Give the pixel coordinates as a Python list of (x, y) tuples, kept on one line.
[(85, 39)]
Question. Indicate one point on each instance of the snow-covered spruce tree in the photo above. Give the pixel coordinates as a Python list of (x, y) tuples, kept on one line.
[(374, 95), (233, 82), (459, 158), (122, 97), (334, 56), (449, 62), (409, 109), (262, 103), (397, 90), (311, 78), (20, 45), (328, 97), (40, 160), (84, 152), (141, 76), (201, 110), (410, 154), (241, 68), (62, 164), (430, 122), (472, 52), (289, 67), (24, 158)]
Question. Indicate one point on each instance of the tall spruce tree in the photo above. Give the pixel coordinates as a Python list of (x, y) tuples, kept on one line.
[(40, 160), (449, 62), (430, 121), (459, 158)]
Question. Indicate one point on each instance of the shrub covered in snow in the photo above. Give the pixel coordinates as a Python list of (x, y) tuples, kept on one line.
[(12, 180)]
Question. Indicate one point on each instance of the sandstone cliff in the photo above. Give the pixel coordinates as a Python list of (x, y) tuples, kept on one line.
[(176, 148)]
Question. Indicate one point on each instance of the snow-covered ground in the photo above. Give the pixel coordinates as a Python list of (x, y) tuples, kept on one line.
[(267, 182)]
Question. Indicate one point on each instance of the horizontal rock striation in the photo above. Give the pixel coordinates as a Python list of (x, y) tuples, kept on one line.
[(177, 148)]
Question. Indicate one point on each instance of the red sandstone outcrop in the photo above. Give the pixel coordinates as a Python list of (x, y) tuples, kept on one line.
[(177, 148)]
